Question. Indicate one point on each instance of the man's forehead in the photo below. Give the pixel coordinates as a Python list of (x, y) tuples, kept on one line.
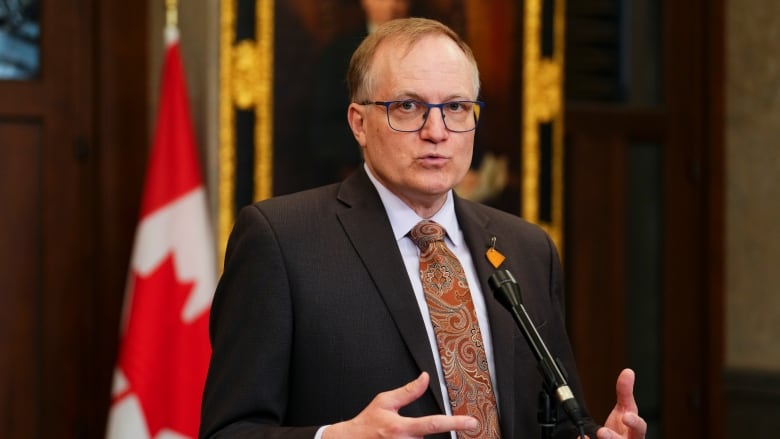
[(389, 59), (402, 45)]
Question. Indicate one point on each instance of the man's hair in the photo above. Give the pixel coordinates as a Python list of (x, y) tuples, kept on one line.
[(407, 32)]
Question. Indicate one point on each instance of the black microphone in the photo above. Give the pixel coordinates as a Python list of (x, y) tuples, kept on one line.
[(507, 292)]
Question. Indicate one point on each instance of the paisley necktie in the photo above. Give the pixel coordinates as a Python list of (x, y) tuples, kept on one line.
[(457, 331)]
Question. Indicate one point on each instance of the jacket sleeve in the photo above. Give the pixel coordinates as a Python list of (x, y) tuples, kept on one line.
[(251, 331)]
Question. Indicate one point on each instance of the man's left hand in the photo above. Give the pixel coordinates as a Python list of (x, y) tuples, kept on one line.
[(624, 421)]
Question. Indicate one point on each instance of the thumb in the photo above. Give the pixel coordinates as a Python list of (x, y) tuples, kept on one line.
[(625, 390)]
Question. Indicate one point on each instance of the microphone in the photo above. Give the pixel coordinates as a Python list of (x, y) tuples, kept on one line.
[(507, 292)]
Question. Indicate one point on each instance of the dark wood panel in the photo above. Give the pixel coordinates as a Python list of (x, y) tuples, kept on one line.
[(84, 124), (20, 285), (22, 98), (66, 211), (693, 320), (714, 171), (753, 403), (636, 123), (123, 140), (595, 261), (688, 127)]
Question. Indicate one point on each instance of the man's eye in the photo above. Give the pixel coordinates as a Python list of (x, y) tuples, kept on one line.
[(455, 106), (408, 105)]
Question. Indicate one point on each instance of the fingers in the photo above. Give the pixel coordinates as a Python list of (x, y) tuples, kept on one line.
[(636, 428), (381, 419), (440, 424), (404, 395), (606, 433)]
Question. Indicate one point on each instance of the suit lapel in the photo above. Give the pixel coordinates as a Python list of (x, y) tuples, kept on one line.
[(365, 223), (477, 232)]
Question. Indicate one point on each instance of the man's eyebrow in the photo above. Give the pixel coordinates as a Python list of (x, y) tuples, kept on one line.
[(407, 95), (404, 95)]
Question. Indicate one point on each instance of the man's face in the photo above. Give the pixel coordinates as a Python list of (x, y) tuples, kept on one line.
[(380, 11), (419, 167)]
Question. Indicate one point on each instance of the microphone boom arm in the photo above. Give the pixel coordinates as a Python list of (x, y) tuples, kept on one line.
[(507, 291)]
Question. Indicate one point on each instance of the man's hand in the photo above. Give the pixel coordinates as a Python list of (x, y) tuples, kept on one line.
[(380, 419), (624, 421)]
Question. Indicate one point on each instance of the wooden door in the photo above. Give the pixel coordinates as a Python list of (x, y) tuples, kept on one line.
[(72, 144), (644, 212)]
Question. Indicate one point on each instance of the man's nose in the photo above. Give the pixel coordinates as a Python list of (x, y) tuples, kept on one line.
[(434, 127)]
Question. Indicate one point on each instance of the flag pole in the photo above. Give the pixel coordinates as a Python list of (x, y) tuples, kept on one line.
[(171, 21), (164, 349)]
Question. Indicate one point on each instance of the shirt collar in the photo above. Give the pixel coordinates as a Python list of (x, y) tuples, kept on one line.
[(403, 218)]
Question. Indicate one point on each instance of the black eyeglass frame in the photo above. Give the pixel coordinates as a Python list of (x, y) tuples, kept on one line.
[(428, 106)]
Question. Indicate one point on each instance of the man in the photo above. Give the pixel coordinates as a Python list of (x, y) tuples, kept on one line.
[(321, 325)]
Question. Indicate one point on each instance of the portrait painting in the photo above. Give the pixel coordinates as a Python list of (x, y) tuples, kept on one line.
[(294, 135), (314, 41)]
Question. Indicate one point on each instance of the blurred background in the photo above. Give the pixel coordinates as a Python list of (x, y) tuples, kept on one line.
[(670, 236)]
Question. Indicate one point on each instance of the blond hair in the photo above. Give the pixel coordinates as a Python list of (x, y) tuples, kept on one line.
[(407, 32)]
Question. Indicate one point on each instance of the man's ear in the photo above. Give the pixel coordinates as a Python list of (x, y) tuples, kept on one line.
[(357, 122)]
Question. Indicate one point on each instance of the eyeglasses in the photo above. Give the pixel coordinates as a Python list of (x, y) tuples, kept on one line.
[(410, 115)]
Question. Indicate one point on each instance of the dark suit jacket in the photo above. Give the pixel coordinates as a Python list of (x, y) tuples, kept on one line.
[(314, 315)]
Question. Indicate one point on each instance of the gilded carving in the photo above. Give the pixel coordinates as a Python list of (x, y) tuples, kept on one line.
[(265, 100), (245, 74), (227, 156), (246, 83), (542, 103)]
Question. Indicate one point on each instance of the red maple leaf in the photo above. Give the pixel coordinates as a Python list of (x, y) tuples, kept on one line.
[(164, 358)]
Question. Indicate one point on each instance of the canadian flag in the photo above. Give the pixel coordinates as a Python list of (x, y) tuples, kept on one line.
[(164, 347)]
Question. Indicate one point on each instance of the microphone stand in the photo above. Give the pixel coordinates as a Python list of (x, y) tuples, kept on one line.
[(507, 292), (547, 414)]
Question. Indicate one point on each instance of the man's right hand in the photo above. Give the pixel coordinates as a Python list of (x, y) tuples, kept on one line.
[(380, 419)]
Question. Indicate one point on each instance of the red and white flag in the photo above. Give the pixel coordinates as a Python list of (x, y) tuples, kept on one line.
[(164, 347)]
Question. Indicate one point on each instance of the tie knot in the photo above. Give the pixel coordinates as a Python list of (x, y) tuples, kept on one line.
[(425, 233)]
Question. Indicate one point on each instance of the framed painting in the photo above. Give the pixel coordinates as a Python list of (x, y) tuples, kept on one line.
[(283, 100)]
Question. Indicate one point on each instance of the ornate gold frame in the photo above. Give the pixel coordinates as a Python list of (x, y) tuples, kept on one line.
[(543, 102), (246, 82)]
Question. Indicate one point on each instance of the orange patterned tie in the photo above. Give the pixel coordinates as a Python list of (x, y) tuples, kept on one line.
[(457, 331)]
